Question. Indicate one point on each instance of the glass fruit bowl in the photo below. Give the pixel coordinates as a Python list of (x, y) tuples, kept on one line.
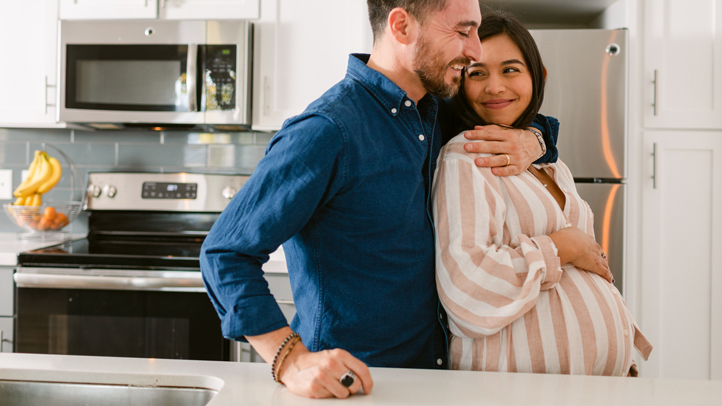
[(44, 221)]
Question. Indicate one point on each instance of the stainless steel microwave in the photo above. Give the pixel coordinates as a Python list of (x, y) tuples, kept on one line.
[(157, 74)]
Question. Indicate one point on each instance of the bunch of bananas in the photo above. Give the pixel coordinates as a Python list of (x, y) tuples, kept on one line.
[(43, 174)]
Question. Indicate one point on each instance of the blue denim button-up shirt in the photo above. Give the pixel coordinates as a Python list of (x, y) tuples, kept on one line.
[(345, 188)]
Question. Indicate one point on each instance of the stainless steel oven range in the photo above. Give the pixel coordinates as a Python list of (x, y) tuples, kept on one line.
[(133, 287)]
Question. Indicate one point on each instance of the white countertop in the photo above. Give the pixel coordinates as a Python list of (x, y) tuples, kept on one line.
[(251, 384), (11, 246)]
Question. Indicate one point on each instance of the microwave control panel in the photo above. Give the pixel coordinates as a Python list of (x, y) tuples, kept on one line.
[(220, 77)]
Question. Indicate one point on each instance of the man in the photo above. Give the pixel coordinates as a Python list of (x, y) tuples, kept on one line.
[(345, 187)]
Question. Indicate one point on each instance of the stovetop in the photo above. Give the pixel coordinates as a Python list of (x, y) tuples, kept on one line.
[(146, 221), (130, 252)]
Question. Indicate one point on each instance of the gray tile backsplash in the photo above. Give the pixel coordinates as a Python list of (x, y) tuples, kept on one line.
[(98, 151)]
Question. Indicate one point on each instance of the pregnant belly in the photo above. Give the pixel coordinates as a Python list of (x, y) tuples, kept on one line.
[(591, 323)]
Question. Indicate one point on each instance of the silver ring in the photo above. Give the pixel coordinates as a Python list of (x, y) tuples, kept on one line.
[(347, 379)]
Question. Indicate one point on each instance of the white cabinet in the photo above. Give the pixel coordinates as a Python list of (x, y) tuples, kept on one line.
[(164, 9), (681, 281), (300, 52), (683, 50), (108, 9), (28, 44), (209, 9), (7, 289)]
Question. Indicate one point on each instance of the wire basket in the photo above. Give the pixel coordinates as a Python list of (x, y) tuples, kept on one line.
[(48, 220)]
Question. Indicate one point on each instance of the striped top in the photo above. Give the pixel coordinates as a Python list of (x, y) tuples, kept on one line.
[(511, 306)]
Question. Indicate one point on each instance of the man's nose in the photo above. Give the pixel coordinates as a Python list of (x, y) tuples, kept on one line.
[(472, 48)]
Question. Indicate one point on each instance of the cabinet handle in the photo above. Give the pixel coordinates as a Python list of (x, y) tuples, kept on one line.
[(286, 302), (3, 340), (654, 165), (655, 102), (46, 95), (266, 97)]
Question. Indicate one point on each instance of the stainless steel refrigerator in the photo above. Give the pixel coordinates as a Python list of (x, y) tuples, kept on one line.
[(587, 91)]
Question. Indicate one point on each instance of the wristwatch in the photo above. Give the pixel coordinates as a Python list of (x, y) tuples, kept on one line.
[(540, 138)]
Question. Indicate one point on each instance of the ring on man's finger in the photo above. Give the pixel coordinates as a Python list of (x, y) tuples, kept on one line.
[(508, 160), (347, 379), (604, 255)]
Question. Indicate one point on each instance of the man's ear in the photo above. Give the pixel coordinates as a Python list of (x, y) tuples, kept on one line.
[(402, 25)]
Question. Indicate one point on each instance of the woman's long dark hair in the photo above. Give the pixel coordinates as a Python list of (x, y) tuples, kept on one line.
[(496, 23)]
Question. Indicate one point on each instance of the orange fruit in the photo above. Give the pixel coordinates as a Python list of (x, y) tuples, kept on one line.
[(49, 214), (61, 220)]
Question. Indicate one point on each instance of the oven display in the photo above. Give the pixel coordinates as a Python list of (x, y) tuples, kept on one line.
[(158, 190)]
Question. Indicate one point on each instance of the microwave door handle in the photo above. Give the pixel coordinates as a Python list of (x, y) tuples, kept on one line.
[(191, 75)]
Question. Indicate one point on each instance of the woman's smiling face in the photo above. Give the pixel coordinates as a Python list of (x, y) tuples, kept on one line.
[(499, 85)]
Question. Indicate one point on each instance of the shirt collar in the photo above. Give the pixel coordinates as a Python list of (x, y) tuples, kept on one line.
[(386, 91)]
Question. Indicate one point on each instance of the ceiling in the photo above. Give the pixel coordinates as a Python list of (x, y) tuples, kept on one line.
[(552, 11)]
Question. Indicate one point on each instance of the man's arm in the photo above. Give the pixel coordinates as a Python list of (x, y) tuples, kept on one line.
[(520, 146), (302, 169)]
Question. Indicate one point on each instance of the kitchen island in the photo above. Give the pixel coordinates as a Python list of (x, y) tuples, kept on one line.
[(251, 384)]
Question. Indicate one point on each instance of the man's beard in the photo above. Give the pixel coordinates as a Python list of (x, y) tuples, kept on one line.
[(431, 70)]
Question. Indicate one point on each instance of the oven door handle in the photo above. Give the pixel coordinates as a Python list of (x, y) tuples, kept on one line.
[(49, 281)]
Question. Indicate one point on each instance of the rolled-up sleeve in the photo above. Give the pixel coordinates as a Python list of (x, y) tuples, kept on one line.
[(303, 168), (484, 284)]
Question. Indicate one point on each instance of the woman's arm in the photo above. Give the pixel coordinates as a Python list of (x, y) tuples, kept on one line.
[(484, 283)]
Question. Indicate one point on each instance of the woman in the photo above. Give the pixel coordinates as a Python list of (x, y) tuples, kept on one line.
[(526, 287)]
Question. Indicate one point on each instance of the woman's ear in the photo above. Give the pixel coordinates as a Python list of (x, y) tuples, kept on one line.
[(545, 72), (402, 25)]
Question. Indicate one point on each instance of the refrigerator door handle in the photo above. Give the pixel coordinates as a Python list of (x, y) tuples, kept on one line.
[(654, 165), (655, 101)]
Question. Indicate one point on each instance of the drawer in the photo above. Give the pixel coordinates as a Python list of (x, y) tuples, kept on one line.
[(6, 334), (6, 291)]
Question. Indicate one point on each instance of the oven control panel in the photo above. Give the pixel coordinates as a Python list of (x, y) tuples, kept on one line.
[(168, 190), (189, 192)]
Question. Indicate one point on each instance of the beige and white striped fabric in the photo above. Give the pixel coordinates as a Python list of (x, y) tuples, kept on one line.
[(511, 306)]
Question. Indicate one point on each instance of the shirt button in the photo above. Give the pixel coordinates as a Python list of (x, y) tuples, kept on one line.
[(439, 361), (626, 332), (408, 103), (421, 137), (393, 111), (441, 316)]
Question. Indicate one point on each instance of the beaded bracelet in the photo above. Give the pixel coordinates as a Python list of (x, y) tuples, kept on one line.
[(293, 342), (278, 352)]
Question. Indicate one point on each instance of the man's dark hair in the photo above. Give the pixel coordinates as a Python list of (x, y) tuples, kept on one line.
[(495, 23), (419, 9)]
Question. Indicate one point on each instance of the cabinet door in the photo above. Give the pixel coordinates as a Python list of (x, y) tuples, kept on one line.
[(300, 52), (681, 282), (209, 9), (6, 334), (7, 290), (28, 43), (683, 51), (108, 9)]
